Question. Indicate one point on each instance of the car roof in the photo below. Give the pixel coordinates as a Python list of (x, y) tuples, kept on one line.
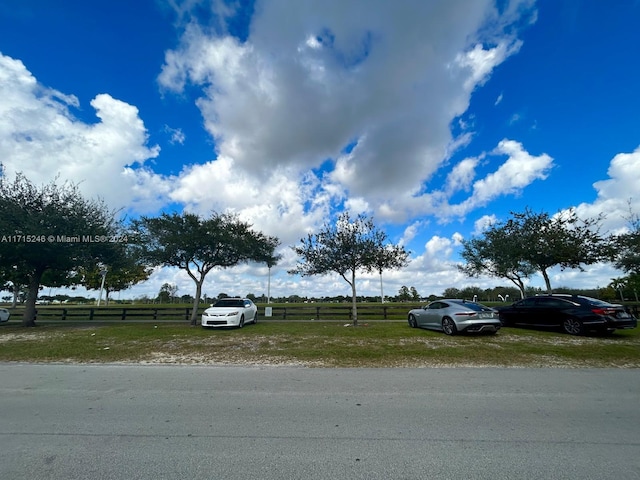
[(573, 298)]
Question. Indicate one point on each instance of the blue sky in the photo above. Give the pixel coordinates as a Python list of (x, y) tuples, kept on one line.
[(434, 117)]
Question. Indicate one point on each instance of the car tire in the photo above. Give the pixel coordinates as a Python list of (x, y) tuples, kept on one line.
[(255, 319), (503, 321), (413, 323), (448, 326), (572, 326), (241, 324)]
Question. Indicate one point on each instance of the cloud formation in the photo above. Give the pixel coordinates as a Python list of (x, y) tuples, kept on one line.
[(359, 94), (40, 136)]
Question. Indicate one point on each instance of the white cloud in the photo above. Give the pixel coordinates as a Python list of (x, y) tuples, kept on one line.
[(617, 195), (518, 171), (296, 93), (40, 136), (481, 61), (177, 135), (461, 176), (483, 223)]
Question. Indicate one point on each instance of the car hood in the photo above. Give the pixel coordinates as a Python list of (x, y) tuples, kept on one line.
[(222, 310)]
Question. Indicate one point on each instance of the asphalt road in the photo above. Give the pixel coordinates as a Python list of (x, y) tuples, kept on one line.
[(182, 422)]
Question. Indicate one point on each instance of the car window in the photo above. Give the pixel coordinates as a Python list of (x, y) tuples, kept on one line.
[(437, 305), (594, 302), (229, 303), (527, 302), (476, 307), (551, 302)]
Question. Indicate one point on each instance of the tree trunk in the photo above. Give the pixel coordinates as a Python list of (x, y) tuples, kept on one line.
[(29, 315), (16, 292), (354, 300), (546, 281), (196, 302)]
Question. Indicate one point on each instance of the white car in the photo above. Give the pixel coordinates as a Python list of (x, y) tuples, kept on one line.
[(4, 315), (230, 312)]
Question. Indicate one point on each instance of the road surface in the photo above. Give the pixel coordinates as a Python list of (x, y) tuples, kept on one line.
[(199, 422)]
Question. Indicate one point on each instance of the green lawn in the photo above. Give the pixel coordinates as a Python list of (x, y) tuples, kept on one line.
[(322, 344)]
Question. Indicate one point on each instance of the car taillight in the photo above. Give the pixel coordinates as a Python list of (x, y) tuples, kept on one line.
[(604, 311), (465, 314)]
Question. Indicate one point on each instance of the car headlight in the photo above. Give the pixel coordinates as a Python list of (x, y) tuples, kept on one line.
[(232, 314)]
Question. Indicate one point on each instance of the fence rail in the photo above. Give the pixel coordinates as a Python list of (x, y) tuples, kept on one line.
[(337, 312), (179, 314)]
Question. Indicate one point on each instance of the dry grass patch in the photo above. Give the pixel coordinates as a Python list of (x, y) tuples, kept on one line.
[(315, 344)]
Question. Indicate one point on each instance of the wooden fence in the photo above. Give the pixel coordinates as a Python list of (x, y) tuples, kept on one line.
[(297, 312), (293, 312)]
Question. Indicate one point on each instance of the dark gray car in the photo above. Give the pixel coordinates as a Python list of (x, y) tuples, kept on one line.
[(452, 316)]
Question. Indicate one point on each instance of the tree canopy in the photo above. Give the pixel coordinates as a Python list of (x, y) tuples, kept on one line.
[(198, 245), (51, 230), (123, 270), (496, 254), (534, 242), (347, 247), (626, 247)]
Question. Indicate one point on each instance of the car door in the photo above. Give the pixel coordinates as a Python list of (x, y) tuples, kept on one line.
[(522, 312), (249, 310), (553, 310), (432, 317)]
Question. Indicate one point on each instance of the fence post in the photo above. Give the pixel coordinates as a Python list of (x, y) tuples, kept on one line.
[(284, 313), (124, 314), (64, 314), (91, 314), (155, 313), (317, 313)]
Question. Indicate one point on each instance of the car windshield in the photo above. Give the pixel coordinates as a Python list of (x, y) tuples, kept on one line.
[(229, 302)]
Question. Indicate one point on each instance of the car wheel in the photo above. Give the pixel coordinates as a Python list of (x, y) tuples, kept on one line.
[(504, 321), (255, 318), (413, 323), (241, 324), (448, 326), (572, 326)]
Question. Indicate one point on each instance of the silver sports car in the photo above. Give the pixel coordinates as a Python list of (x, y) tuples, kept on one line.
[(453, 316)]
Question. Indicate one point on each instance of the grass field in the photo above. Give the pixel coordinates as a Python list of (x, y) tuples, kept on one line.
[(314, 344)]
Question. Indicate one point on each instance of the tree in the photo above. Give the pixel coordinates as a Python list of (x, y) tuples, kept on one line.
[(197, 245), (415, 296), (14, 280), (167, 293), (51, 229), (403, 294), (497, 254), (346, 248), (123, 270), (531, 242), (564, 240), (451, 292), (626, 247)]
